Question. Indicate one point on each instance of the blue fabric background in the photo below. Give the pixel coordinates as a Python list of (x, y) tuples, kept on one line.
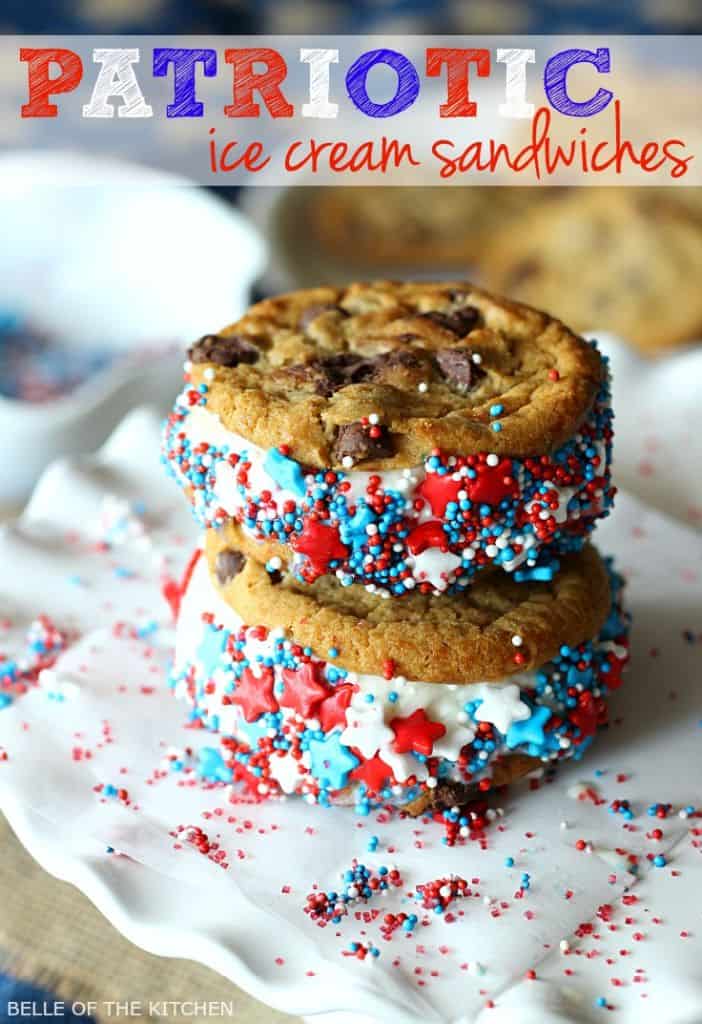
[(401, 16), (18, 991)]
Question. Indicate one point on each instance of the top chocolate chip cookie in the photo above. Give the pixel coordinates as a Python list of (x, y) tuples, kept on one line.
[(377, 375)]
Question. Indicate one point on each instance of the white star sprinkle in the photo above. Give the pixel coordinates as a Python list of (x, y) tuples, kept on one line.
[(501, 705), (366, 729), (435, 567)]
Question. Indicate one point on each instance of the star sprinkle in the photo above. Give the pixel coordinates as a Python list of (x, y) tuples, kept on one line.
[(212, 648), (366, 730), (303, 689), (436, 567), (331, 762), (416, 733), (286, 473), (211, 766), (374, 773), (584, 716), (439, 490), (501, 706), (529, 730), (285, 769), (428, 535), (332, 710), (254, 694), (493, 484), (405, 766), (320, 543), (353, 530), (458, 732)]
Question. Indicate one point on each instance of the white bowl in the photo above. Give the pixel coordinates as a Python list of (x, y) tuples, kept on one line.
[(108, 253)]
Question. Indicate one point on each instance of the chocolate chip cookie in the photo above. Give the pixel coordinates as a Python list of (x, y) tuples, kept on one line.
[(428, 360), (466, 638), (324, 693), (396, 435), (623, 260)]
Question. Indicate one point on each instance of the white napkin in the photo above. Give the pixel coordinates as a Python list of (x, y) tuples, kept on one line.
[(116, 724)]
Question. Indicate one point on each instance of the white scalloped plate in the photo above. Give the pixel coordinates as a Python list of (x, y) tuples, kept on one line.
[(242, 922)]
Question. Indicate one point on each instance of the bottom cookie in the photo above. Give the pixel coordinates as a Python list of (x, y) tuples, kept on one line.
[(292, 722)]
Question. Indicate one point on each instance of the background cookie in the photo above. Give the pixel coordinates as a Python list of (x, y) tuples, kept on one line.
[(468, 638), (412, 227), (624, 260), (336, 233)]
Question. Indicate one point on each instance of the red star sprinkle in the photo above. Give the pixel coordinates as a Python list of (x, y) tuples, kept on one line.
[(493, 484), (585, 716), (332, 710), (321, 543), (440, 490), (416, 733), (374, 772), (428, 535), (613, 678), (254, 695), (602, 710), (303, 688)]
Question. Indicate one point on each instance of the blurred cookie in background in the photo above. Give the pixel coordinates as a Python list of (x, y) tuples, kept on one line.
[(329, 234), (626, 260), (411, 226)]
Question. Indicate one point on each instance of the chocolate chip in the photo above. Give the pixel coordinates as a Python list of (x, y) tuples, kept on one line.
[(460, 321), (312, 312), (444, 796), (453, 794), (275, 576), (337, 371), (353, 440), (328, 375), (458, 367), (314, 375), (400, 357), (228, 564), (348, 368), (223, 350)]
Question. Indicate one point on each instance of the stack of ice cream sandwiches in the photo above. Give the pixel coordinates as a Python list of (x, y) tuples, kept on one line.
[(395, 600)]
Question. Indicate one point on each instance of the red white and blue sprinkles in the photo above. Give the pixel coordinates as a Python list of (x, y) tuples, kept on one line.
[(434, 526), (291, 722)]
